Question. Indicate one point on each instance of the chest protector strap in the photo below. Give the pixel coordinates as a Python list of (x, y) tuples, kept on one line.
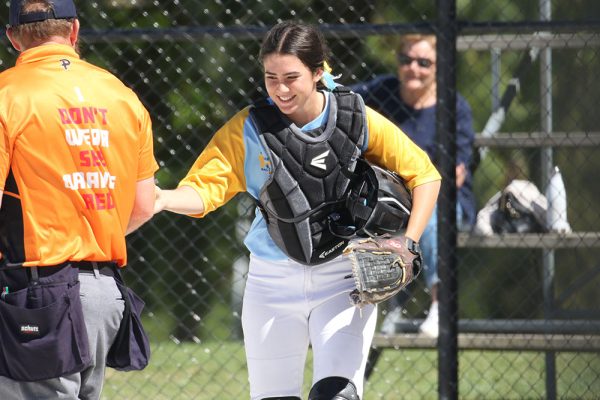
[(311, 176)]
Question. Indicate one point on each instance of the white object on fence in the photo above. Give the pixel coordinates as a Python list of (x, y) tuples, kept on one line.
[(556, 216)]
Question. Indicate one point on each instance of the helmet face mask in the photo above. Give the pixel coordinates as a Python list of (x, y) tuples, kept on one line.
[(385, 218), (379, 202), (393, 204)]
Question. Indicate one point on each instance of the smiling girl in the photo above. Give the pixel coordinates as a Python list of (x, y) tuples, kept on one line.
[(290, 153)]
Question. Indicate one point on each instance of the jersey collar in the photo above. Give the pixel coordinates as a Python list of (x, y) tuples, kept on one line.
[(48, 50)]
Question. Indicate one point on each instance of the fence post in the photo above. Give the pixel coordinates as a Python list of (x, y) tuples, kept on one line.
[(446, 139), (547, 164)]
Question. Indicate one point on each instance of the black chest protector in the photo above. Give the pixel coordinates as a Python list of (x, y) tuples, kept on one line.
[(311, 176)]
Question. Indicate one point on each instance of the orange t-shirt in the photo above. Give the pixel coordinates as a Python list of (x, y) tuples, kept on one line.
[(74, 140)]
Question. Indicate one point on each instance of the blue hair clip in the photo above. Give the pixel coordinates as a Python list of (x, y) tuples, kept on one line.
[(329, 80)]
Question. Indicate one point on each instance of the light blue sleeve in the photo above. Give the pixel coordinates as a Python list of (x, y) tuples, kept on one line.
[(257, 169)]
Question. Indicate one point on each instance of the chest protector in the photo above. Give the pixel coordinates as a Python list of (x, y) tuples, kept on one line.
[(311, 176)]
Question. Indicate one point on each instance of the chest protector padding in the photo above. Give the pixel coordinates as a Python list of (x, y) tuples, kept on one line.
[(310, 176)]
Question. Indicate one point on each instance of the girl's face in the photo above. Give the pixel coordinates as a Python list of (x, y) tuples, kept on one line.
[(416, 66), (293, 87)]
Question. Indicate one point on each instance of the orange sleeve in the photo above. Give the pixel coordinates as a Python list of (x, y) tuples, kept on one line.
[(5, 155), (147, 165)]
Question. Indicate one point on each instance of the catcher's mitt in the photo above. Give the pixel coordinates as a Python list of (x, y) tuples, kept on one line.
[(381, 267)]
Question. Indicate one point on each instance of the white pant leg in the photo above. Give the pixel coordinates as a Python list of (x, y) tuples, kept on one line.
[(279, 301), (275, 325), (340, 334)]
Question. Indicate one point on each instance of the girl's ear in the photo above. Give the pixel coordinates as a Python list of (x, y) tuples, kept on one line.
[(318, 75)]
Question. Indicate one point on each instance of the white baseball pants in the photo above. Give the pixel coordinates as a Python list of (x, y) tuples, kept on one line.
[(288, 305)]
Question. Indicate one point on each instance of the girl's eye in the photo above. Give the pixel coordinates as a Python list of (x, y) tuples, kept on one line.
[(286, 79)]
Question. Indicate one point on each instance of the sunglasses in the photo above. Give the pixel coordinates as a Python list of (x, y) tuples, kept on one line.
[(403, 59)]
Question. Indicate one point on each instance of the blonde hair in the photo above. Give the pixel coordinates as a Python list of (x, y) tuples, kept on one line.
[(413, 38)]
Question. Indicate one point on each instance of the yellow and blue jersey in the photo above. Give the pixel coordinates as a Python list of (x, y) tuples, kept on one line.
[(235, 160)]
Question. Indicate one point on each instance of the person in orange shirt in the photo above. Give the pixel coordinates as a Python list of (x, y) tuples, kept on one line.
[(76, 176)]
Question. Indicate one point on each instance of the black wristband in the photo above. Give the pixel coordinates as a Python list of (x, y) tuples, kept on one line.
[(413, 246)]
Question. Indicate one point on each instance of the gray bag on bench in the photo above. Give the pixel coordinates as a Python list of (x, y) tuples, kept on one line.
[(518, 208)]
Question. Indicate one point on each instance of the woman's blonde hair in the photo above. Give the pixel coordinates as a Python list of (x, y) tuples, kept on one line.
[(413, 38)]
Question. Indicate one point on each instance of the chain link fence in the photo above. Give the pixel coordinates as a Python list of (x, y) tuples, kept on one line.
[(528, 304)]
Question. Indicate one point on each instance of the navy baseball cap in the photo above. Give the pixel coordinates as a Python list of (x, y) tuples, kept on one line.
[(62, 9)]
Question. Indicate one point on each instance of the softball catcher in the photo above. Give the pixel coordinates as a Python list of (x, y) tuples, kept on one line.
[(299, 155)]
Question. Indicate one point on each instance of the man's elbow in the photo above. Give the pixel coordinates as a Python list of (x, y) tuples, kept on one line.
[(144, 212), (139, 217)]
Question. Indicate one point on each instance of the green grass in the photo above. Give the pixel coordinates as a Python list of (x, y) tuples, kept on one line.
[(184, 371), (217, 370)]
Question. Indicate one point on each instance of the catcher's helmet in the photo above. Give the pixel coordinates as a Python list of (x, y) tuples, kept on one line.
[(378, 202)]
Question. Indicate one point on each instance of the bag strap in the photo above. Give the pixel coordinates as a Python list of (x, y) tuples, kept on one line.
[(35, 276)]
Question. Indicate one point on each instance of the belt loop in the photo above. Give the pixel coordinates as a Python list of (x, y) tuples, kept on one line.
[(35, 277), (95, 268)]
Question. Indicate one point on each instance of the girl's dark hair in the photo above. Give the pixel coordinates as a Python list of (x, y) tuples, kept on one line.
[(301, 40)]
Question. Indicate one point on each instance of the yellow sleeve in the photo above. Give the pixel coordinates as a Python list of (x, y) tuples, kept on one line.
[(218, 172), (391, 148)]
